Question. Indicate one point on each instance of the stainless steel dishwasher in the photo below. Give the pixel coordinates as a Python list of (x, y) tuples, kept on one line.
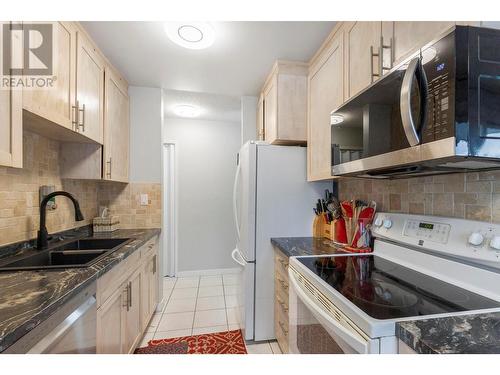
[(70, 330)]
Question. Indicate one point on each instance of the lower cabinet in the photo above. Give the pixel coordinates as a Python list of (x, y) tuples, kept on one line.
[(281, 300), (124, 313)]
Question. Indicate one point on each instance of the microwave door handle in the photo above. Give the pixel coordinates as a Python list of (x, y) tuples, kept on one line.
[(353, 339), (405, 103)]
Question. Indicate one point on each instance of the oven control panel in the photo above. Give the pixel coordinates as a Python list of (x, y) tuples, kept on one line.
[(473, 241), (436, 232)]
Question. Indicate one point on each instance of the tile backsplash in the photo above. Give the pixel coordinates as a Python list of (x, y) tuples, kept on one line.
[(472, 195), (19, 198)]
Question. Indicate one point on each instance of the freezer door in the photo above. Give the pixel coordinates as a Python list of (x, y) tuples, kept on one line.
[(244, 201), (245, 296)]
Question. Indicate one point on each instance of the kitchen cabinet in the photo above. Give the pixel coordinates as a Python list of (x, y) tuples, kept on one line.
[(133, 323), (89, 89), (56, 104), (326, 92), (111, 324), (126, 300), (281, 299), (116, 128), (362, 43), (284, 104), (409, 36), (11, 126)]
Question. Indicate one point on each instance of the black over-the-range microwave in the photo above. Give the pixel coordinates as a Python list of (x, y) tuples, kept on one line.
[(436, 112)]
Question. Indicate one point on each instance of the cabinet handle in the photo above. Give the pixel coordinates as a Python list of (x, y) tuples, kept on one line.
[(127, 298), (74, 116), (372, 55), (129, 295), (383, 46), (154, 265), (82, 123), (282, 326), (108, 173)]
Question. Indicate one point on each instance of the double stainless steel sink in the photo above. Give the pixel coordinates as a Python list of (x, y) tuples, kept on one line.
[(74, 254)]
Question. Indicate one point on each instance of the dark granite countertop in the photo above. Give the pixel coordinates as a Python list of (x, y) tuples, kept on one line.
[(27, 298), (297, 246), (465, 334)]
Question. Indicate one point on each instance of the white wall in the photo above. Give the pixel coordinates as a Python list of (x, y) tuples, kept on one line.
[(145, 134), (248, 118), (206, 163)]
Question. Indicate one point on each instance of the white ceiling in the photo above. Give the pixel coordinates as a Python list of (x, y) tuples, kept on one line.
[(212, 107), (237, 63)]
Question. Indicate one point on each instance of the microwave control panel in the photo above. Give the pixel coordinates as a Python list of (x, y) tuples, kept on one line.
[(439, 65)]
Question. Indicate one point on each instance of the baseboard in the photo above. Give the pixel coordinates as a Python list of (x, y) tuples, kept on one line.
[(217, 271)]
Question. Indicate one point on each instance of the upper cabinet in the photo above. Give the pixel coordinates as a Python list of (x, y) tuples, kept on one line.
[(56, 104), (362, 47), (11, 125), (410, 36), (282, 109), (117, 128), (89, 89), (326, 92)]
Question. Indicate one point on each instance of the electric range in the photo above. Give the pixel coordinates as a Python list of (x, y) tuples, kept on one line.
[(421, 267)]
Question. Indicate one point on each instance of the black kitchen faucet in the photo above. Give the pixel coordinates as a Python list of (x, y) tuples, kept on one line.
[(42, 238)]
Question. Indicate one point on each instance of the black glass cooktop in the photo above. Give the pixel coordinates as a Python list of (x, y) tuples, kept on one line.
[(386, 290)]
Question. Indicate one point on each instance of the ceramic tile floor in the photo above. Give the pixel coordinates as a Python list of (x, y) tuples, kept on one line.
[(197, 305)]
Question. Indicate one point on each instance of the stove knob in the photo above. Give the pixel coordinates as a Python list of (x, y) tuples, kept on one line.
[(476, 238), (378, 221), (387, 223), (495, 243)]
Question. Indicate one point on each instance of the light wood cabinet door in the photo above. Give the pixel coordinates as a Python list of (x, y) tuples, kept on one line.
[(409, 36), (145, 294), (271, 111), (116, 128), (11, 124), (326, 92), (111, 324), (153, 283), (57, 104), (89, 89), (133, 326), (360, 65)]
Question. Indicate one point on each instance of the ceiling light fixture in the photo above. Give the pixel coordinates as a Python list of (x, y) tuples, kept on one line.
[(192, 35), (336, 119), (186, 110)]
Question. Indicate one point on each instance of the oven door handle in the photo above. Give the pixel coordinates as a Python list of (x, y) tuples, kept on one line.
[(412, 130), (358, 343)]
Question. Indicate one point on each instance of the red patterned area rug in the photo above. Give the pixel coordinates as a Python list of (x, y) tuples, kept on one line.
[(228, 342)]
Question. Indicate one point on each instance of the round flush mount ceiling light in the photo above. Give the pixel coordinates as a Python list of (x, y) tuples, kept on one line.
[(186, 110), (192, 35)]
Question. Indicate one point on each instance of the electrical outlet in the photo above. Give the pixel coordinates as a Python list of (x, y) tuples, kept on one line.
[(144, 200)]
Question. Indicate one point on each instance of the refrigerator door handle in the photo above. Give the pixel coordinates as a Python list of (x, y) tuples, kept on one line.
[(235, 203), (238, 258)]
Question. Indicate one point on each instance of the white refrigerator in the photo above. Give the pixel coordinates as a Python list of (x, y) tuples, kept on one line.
[(271, 198)]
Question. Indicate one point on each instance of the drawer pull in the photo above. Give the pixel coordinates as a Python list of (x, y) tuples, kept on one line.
[(283, 329), (129, 295)]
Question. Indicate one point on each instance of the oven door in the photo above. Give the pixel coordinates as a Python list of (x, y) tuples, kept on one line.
[(315, 328)]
